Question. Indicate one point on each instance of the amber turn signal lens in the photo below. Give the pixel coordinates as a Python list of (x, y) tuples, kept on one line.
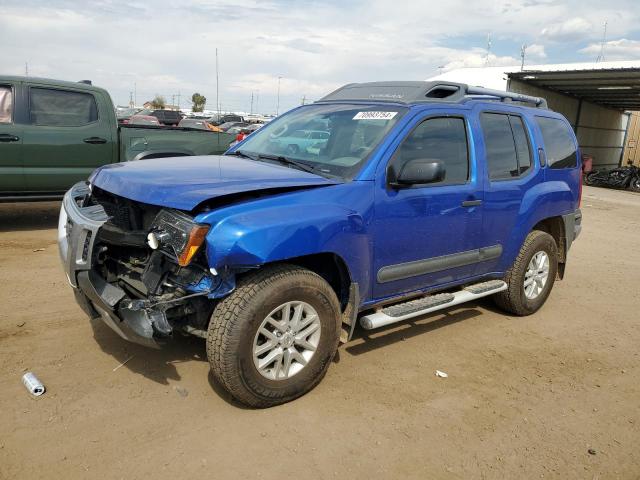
[(196, 237)]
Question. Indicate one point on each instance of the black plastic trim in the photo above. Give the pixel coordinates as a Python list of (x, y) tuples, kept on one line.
[(391, 273)]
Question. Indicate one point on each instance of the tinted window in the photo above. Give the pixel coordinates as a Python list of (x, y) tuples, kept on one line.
[(6, 104), (559, 145), (502, 158), (442, 139), (61, 108), (523, 151)]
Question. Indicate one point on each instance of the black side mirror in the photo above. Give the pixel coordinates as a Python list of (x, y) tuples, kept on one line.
[(419, 171)]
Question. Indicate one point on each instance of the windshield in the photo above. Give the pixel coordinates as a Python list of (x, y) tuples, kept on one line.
[(334, 140)]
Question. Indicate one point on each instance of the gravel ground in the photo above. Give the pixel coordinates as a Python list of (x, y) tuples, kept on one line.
[(553, 395)]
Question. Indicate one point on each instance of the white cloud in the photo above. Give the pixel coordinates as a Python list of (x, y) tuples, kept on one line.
[(572, 29), (476, 57), (536, 50), (622, 49)]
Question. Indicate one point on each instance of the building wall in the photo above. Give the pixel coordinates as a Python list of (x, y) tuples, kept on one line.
[(632, 148), (600, 130)]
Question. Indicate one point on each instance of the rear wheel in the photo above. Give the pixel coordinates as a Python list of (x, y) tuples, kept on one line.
[(272, 339), (635, 184), (531, 277)]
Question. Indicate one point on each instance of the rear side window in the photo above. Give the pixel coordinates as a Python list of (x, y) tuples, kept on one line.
[(442, 139), (61, 108), (507, 145), (559, 145), (6, 104)]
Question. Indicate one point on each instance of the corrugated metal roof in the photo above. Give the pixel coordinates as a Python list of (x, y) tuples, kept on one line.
[(610, 84)]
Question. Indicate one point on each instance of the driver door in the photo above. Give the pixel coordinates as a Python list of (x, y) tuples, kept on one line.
[(429, 235)]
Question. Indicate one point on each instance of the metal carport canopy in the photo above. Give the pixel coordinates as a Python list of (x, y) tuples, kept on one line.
[(617, 88)]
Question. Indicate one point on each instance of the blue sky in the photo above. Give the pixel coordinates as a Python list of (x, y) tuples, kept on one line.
[(168, 47)]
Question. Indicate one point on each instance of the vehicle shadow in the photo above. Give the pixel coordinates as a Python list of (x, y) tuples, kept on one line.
[(29, 216), (158, 365), (364, 341)]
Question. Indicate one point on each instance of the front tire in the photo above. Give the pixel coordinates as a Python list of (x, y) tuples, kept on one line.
[(531, 277), (273, 339)]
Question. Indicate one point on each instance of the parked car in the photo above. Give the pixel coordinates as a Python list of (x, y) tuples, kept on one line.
[(427, 195), (226, 126), (124, 114), (54, 134), (198, 124), (167, 117), (143, 120), (300, 140)]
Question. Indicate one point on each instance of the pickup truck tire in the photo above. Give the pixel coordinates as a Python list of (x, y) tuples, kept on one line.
[(235, 334), (514, 299)]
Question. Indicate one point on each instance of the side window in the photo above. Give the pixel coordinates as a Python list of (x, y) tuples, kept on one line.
[(6, 104), (60, 108), (559, 145), (443, 139), (506, 144)]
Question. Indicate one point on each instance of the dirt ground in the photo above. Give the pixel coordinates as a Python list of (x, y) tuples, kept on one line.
[(525, 398)]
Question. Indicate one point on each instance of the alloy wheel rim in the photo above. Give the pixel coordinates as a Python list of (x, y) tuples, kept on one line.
[(286, 340), (537, 275)]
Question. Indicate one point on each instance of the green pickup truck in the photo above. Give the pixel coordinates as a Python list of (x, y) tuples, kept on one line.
[(55, 133)]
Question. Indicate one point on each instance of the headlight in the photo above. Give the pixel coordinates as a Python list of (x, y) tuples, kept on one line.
[(177, 231)]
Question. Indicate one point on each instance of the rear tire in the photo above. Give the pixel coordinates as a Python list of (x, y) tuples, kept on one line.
[(266, 317), (635, 184), (527, 285)]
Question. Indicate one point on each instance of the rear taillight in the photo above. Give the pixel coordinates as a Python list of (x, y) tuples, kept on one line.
[(240, 137)]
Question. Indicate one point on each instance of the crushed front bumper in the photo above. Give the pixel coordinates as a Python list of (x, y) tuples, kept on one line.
[(78, 228)]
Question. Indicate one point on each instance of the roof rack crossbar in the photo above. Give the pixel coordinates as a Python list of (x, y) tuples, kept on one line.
[(517, 97)]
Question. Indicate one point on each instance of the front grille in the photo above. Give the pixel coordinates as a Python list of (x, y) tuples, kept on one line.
[(124, 213)]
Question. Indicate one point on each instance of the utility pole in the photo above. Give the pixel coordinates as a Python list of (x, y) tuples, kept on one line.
[(278, 102), (178, 100), (217, 86), (173, 101), (251, 110), (304, 99), (523, 51), (604, 41), (26, 69), (131, 99), (486, 63), (135, 94), (257, 99)]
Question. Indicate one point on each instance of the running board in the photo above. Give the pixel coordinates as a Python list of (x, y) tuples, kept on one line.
[(430, 303)]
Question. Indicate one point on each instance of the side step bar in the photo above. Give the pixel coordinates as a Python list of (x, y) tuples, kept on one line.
[(430, 303)]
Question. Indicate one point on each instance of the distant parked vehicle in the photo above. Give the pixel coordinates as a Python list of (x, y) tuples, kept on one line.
[(167, 117), (301, 140), (198, 124), (124, 114), (143, 120), (226, 126)]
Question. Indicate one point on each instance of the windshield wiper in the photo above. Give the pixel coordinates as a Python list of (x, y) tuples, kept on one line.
[(240, 153), (289, 161)]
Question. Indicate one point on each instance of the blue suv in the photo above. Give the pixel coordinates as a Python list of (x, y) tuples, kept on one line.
[(419, 196)]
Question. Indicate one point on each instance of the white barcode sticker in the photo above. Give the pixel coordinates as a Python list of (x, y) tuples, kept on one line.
[(374, 115)]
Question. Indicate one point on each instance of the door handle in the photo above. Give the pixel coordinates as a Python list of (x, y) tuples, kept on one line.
[(471, 203), (6, 137), (94, 140)]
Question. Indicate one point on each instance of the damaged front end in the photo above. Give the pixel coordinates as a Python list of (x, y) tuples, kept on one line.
[(137, 266)]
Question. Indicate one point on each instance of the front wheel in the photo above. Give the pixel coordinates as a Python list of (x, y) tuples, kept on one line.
[(531, 277), (273, 339), (635, 184)]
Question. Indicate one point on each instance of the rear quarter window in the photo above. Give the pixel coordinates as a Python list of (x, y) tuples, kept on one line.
[(559, 145), (61, 108), (6, 104)]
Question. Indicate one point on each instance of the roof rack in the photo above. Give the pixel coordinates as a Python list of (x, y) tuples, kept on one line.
[(425, 92)]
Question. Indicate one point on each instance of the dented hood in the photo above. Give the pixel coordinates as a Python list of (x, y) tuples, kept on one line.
[(185, 182)]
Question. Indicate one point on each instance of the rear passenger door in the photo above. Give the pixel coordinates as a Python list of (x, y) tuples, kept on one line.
[(11, 172), (66, 137), (510, 172)]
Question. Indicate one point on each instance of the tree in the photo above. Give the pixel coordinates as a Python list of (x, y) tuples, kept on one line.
[(158, 102), (199, 102)]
